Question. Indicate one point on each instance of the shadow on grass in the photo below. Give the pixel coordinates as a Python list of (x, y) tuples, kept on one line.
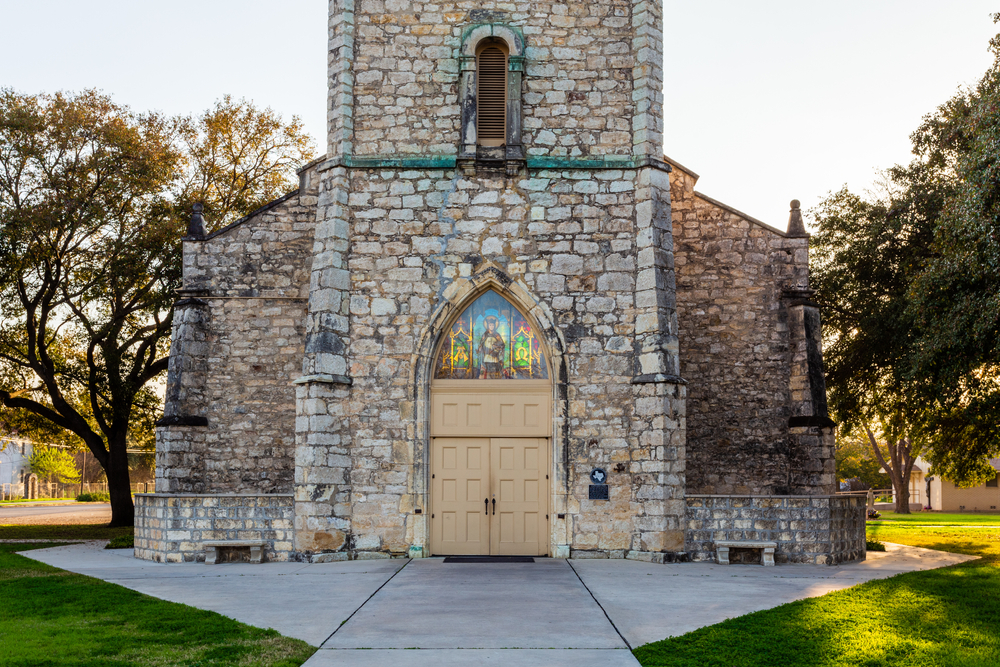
[(940, 519)]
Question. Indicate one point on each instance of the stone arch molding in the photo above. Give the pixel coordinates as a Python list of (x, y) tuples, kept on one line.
[(462, 292), (477, 33), (456, 297), (511, 156)]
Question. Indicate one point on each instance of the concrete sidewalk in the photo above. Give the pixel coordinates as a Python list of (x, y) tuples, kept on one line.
[(578, 613)]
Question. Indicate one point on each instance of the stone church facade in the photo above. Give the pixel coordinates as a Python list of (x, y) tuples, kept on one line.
[(506, 329)]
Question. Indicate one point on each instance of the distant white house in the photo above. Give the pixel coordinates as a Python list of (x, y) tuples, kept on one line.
[(14, 454), (947, 497)]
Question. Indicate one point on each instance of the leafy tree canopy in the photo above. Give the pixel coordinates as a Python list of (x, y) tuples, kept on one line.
[(956, 296), (52, 462), (93, 203), (908, 277)]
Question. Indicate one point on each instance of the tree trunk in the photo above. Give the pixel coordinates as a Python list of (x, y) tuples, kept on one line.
[(119, 484), (902, 496), (898, 464)]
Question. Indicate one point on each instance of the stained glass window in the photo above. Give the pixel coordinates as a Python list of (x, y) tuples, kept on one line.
[(491, 340)]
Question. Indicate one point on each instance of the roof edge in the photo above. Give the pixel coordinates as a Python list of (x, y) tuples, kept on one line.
[(674, 163), (263, 209), (748, 218), (310, 165)]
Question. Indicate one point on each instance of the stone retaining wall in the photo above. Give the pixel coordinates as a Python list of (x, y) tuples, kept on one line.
[(825, 530), (171, 528)]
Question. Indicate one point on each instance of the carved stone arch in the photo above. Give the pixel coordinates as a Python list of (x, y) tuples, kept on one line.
[(477, 33), (511, 156), (456, 297), (463, 292)]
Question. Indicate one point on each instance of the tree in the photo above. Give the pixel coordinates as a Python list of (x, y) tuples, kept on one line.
[(865, 257), (957, 294), (900, 433), (239, 158), (910, 281), (91, 201), (52, 462)]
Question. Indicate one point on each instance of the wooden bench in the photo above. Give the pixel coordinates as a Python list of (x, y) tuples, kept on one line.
[(767, 550), (212, 549)]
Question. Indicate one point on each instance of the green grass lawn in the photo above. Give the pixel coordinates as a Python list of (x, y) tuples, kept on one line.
[(984, 542), (945, 617), (46, 533), (51, 617), (940, 519)]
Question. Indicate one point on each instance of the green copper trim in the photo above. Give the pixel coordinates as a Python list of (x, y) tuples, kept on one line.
[(422, 162), (556, 162)]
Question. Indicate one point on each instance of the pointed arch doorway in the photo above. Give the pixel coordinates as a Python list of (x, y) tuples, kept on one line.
[(491, 427)]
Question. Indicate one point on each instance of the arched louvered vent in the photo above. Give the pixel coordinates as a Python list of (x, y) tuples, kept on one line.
[(491, 97)]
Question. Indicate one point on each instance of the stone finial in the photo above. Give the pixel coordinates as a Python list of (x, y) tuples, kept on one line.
[(796, 227), (196, 230)]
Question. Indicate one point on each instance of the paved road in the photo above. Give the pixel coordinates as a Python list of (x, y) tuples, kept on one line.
[(56, 514), (551, 613)]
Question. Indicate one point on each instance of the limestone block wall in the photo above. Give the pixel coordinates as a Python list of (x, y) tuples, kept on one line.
[(237, 345), (572, 241), (823, 530), (261, 255), (591, 86), (323, 464), (249, 442), (738, 352), (172, 528)]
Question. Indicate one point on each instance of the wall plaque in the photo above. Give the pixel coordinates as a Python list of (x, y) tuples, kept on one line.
[(599, 492)]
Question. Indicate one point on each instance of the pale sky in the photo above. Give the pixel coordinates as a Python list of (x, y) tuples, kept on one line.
[(768, 100)]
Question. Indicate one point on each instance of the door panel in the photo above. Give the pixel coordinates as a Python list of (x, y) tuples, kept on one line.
[(525, 414), (459, 414), (510, 471), (460, 485), (521, 415), (520, 527)]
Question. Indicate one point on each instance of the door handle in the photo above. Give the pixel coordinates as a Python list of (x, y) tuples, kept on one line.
[(487, 501), (494, 506)]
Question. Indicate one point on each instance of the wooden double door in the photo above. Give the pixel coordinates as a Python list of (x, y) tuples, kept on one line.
[(489, 496)]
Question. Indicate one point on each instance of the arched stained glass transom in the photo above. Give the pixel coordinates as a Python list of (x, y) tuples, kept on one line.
[(491, 340)]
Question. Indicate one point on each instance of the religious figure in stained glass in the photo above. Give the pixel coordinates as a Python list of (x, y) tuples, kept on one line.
[(491, 340), (491, 351)]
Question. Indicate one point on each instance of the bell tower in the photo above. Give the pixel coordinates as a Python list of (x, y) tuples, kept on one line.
[(519, 143)]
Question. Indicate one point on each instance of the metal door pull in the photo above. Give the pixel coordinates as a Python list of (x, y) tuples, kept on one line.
[(494, 506), (487, 501)]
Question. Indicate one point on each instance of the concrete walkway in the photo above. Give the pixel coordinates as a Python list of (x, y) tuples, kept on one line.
[(551, 613)]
